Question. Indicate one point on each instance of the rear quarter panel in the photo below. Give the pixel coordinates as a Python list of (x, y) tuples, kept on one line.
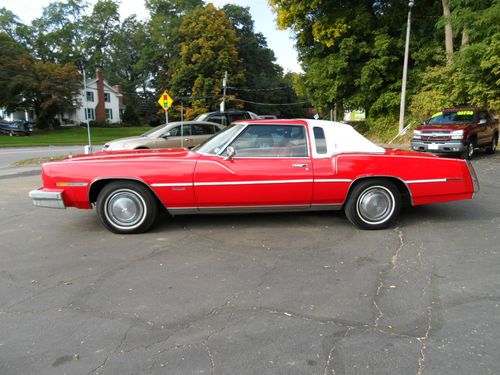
[(429, 179)]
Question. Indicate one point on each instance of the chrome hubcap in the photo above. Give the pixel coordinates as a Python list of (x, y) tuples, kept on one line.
[(471, 149), (125, 208), (375, 205)]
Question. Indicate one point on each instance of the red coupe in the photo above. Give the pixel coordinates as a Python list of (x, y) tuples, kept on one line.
[(256, 166)]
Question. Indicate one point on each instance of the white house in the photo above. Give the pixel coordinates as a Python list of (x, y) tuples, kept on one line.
[(99, 101)]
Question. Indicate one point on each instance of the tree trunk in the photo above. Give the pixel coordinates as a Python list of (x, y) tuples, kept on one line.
[(465, 37), (448, 33)]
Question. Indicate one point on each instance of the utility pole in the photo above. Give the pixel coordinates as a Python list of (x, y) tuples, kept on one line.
[(88, 149), (411, 3), (224, 85)]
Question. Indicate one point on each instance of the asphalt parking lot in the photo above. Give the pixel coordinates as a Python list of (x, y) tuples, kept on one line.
[(302, 293)]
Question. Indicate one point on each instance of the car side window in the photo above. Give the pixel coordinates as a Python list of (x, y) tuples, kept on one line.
[(271, 141), (238, 116), (176, 131), (320, 140), (202, 129), (483, 115), (219, 119)]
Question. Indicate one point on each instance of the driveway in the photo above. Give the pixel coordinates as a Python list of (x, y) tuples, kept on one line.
[(302, 293)]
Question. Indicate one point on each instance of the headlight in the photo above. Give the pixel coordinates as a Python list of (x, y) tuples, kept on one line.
[(457, 134), (417, 134)]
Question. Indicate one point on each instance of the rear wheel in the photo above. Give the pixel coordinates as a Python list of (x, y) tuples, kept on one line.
[(493, 145), (373, 204), (126, 207)]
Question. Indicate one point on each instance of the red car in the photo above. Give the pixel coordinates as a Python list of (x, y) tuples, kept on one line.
[(256, 166)]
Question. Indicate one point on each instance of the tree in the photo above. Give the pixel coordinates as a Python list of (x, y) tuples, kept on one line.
[(57, 35), (45, 87), (264, 81), (208, 49), (99, 29)]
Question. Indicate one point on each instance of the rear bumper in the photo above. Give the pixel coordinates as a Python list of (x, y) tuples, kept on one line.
[(442, 147), (47, 198)]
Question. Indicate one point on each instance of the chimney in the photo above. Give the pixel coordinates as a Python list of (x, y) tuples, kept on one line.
[(100, 113)]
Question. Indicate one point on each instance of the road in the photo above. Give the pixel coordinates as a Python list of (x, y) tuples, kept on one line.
[(10, 155), (302, 293)]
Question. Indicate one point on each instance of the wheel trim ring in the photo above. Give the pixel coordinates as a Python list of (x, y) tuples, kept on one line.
[(470, 149), (388, 211), (131, 196)]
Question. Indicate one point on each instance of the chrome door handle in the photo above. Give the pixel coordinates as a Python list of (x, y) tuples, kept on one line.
[(299, 165)]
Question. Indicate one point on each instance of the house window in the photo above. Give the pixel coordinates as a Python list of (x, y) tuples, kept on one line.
[(107, 97), (90, 114), (109, 113), (90, 96)]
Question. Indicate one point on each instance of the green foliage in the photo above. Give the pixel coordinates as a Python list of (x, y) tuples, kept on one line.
[(45, 87), (208, 49), (130, 116)]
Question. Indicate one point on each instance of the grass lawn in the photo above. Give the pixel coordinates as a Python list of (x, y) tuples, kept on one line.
[(70, 136)]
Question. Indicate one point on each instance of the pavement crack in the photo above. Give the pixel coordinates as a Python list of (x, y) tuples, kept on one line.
[(382, 276), (210, 356), (423, 339), (329, 360), (395, 256)]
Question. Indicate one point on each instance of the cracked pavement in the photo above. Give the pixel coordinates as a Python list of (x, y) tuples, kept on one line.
[(302, 293)]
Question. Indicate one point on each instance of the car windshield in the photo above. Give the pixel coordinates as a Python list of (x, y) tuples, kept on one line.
[(215, 144), (455, 117), (155, 132)]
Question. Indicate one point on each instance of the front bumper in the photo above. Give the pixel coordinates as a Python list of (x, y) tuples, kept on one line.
[(438, 147), (47, 198)]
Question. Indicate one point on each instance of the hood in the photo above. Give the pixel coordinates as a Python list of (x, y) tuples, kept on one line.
[(133, 154), (450, 127)]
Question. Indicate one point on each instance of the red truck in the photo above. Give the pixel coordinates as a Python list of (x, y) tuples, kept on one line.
[(457, 130)]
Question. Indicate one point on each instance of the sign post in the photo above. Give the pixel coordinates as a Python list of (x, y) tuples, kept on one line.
[(166, 102)]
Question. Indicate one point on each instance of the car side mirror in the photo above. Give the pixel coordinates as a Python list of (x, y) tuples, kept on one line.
[(230, 153), (482, 121), (166, 135)]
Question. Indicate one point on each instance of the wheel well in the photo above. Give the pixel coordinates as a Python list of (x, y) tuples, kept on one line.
[(97, 186), (402, 187)]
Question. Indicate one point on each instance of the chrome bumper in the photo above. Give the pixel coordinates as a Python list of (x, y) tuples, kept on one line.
[(49, 199), (473, 175), (444, 147)]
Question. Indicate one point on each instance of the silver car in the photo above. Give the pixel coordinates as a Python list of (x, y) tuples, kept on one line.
[(170, 135)]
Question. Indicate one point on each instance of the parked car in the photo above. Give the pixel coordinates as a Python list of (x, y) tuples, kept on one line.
[(457, 130), (18, 127), (226, 118), (256, 166), (175, 134)]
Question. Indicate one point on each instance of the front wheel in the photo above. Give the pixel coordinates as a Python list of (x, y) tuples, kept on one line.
[(373, 204), (468, 153), (126, 207)]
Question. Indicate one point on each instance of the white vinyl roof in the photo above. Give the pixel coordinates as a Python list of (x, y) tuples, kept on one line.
[(342, 138)]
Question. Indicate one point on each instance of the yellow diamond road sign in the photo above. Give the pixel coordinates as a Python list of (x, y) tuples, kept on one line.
[(165, 101)]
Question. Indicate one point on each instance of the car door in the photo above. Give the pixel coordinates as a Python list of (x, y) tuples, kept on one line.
[(271, 167), (176, 137), (483, 136)]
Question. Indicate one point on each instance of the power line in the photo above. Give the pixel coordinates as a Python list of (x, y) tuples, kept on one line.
[(270, 104), (266, 89)]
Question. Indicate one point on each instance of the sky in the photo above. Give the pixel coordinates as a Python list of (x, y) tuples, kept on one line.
[(280, 41)]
